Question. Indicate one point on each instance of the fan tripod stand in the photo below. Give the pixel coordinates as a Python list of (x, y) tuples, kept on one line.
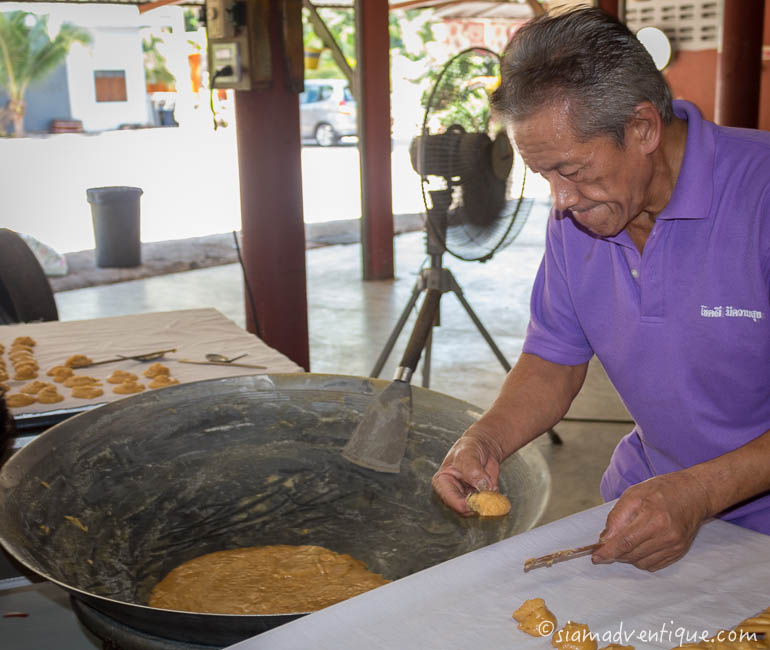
[(437, 280)]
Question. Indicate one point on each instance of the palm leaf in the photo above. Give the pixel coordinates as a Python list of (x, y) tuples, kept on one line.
[(27, 53), (52, 53)]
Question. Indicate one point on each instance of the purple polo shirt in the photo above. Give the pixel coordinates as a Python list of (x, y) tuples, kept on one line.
[(683, 329)]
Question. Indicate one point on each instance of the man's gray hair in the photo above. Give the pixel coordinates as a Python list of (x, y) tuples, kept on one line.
[(591, 60)]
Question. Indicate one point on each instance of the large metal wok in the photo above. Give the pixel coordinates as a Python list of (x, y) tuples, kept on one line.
[(162, 477)]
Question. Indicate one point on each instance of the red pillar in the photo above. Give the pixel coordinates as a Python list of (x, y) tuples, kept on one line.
[(373, 74), (269, 163), (739, 64), (610, 6)]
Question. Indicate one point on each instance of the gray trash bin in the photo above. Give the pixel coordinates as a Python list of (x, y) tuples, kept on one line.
[(115, 212)]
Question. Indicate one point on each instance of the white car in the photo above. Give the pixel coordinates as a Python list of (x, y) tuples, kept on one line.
[(327, 111)]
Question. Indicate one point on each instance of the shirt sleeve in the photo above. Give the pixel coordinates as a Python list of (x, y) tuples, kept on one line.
[(554, 332)]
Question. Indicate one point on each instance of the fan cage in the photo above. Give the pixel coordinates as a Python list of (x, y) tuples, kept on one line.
[(472, 213)]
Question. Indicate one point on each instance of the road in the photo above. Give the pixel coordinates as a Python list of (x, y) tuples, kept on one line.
[(331, 183), (189, 178)]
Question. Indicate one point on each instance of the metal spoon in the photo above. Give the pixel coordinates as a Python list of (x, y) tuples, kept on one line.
[(221, 358)]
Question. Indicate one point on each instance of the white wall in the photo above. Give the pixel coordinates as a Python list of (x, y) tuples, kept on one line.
[(117, 46), (114, 48)]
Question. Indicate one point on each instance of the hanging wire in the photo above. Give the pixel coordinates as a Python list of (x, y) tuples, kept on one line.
[(252, 306)]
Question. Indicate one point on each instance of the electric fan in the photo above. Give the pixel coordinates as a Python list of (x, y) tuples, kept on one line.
[(472, 186), (472, 183)]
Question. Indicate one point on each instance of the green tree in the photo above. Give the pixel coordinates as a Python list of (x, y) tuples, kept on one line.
[(341, 23), (28, 54), (155, 68), (192, 21)]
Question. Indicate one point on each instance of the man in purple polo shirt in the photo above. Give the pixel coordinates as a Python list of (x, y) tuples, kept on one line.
[(658, 261)]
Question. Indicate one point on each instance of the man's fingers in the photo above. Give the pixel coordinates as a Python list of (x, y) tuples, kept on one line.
[(468, 466), (472, 468), (632, 546), (483, 484), (615, 534), (450, 489), (619, 541)]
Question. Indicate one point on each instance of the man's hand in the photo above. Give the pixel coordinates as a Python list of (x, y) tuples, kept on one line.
[(473, 463), (653, 523), (535, 395)]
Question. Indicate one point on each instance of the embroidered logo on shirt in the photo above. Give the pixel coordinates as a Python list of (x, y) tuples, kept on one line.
[(730, 312)]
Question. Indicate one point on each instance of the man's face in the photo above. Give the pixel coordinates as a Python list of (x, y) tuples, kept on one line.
[(603, 185)]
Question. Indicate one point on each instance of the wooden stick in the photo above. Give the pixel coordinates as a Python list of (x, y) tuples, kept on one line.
[(135, 357), (548, 560)]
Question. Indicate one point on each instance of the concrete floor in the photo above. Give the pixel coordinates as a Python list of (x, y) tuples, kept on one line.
[(350, 321)]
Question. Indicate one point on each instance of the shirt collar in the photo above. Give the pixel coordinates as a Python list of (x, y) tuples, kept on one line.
[(691, 198)]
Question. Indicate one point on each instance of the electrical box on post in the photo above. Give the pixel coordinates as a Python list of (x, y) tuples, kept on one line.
[(239, 46)]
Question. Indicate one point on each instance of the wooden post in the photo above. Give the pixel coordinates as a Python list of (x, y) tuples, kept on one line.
[(373, 72), (739, 64), (269, 163), (611, 7)]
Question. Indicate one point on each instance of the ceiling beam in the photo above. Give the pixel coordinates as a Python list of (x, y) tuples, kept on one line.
[(536, 7), (149, 6)]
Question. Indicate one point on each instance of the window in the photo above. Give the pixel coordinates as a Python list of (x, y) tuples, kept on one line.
[(110, 85), (309, 96), (689, 24)]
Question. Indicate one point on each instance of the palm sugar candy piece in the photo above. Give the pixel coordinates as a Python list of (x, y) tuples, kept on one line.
[(128, 388), (19, 399), (63, 375), (87, 392), (489, 504), (161, 381), (119, 376), (535, 618), (81, 380), (25, 371), (759, 624), (49, 395), (20, 353), (574, 636), (78, 361), (33, 388), (156, 369)]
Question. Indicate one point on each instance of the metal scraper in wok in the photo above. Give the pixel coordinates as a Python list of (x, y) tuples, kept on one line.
[(379, 440)]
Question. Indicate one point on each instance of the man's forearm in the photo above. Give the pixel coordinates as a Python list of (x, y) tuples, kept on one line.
[(735, 476), (535, 396)]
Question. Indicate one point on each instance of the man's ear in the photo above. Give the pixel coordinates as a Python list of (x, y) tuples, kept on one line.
[(646, 127)]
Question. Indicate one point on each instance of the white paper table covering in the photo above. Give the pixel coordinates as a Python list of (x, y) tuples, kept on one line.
[(193, 332), (466, 603)]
